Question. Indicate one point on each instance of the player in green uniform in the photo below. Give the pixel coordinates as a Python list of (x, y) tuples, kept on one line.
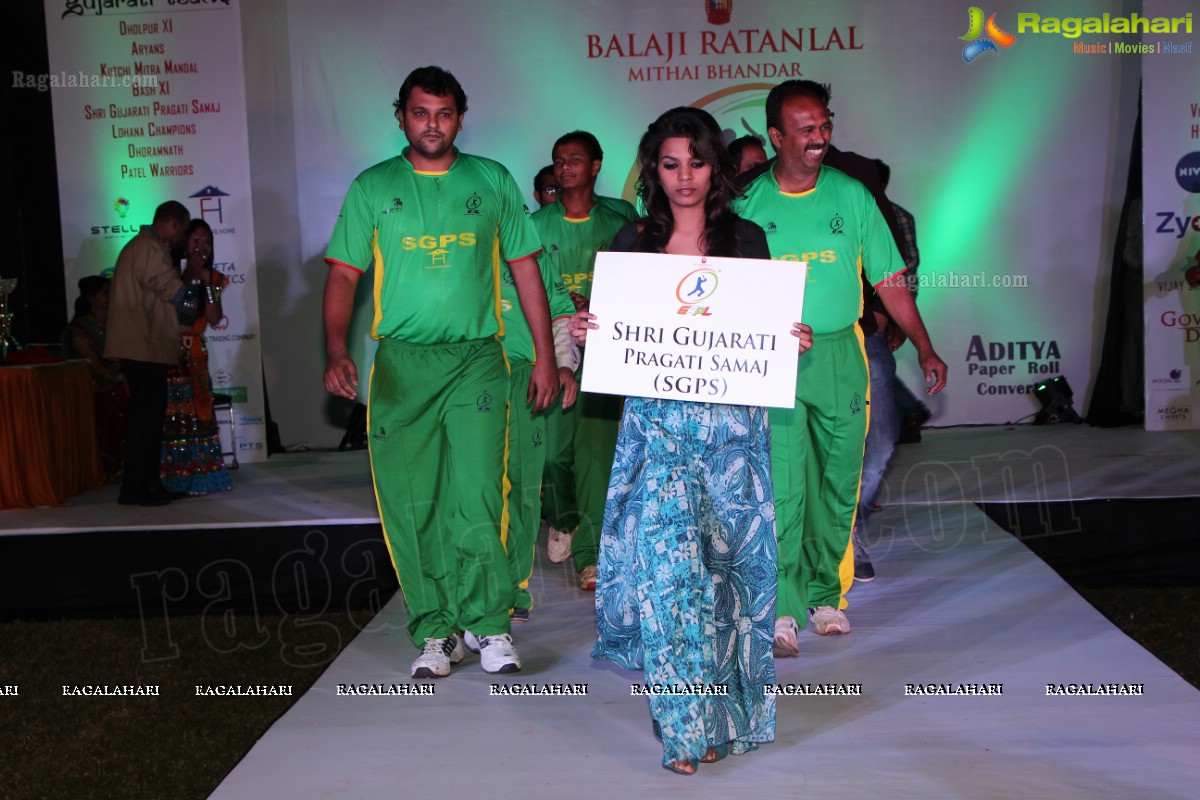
[(434, 223), (816, 214), (527, 428), (582, 439)]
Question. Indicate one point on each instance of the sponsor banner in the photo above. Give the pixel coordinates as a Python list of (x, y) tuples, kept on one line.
[(1009, 367), (1171, 410), (1171, 217), (149, 105), (697, 328), (1010, 221)]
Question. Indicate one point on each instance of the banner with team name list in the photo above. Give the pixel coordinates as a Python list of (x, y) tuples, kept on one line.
[(697, 328), (149, 105)]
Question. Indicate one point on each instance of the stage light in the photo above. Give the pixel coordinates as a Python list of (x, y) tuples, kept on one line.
[(1055, 395)]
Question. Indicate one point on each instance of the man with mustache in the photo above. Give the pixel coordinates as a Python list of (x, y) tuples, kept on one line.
[(814, 213), (430, 220)]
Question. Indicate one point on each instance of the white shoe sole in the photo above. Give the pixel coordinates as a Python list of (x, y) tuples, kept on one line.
[(429, 672), (832, 629), (779, 650)]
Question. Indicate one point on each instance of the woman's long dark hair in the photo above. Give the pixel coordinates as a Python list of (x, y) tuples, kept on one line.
[(708, 146)]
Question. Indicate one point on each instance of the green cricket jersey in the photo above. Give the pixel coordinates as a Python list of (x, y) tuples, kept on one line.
[(619, 205), (518, 340), (572, 244), (838, 229), (436, 240)]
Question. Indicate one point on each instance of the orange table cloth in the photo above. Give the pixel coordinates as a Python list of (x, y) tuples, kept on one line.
[(48, 447)]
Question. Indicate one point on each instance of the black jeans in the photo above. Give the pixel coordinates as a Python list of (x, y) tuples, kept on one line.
[(143, 427)]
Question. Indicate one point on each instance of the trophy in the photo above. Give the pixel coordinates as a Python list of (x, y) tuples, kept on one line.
[(6, 338)]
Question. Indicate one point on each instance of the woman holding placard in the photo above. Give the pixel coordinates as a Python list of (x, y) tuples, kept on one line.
[(686, 584)]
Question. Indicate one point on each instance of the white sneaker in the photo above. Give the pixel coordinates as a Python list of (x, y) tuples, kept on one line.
[(587, 578), (558, 545), (471, 641), (438, 657), (828, 621), (787, 638), (497, 654)]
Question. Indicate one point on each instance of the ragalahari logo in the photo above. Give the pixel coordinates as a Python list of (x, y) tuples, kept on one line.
[(980, 37)]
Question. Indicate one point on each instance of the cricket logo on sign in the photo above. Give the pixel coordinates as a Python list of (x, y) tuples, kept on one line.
[(695, 288)]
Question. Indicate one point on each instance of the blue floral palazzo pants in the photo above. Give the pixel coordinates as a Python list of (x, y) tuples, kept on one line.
[(687, 572)]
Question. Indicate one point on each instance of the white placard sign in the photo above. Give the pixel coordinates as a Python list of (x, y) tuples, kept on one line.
[(699, 328)]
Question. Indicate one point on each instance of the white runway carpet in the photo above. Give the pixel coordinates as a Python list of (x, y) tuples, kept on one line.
[(957, 601)]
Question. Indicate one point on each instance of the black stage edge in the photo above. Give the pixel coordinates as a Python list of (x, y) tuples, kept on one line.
[(1110, 542), (305, 569)]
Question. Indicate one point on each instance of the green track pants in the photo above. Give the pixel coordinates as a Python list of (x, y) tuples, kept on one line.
[(581, 442), (437, 417), (526, 458), (816, 465)]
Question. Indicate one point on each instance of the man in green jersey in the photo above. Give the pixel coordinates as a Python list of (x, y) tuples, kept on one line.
[(434, 222), (582, 439), (816, 214)]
